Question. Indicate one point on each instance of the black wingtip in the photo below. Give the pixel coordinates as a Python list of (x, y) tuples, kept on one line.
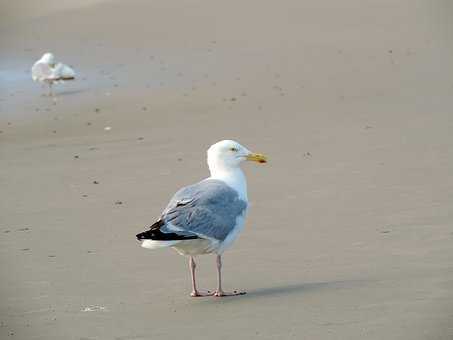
[(157, 235), (140, 236)]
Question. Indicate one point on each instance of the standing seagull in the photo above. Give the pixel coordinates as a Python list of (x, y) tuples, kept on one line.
[(47, 70), (206, 217)]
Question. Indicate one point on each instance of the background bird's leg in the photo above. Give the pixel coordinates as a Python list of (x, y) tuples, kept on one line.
[(50, 89), (219, 292), (44, 84), (195, 291), (51, 93)]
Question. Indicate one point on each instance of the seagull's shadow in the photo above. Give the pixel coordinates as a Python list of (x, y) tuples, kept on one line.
[(292, 289), (69, 92)]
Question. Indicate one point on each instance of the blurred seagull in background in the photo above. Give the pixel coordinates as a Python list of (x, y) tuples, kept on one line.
[(47, 70), (206, 217)]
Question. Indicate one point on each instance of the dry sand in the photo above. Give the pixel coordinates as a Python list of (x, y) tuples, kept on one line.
[(349, 234)]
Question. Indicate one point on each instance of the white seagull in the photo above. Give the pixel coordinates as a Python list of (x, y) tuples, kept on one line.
[(206, 217), (47, 70)]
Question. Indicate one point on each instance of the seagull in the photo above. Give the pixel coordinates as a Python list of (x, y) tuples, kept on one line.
[(47, 70), (206, 217)]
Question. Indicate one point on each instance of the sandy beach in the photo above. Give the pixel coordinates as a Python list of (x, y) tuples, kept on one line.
[(350, 228)]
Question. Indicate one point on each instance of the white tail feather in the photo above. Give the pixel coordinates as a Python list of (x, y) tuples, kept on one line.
[(152, 244)]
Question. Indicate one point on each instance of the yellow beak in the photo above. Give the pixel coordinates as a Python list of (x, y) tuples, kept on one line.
[(256, 157)]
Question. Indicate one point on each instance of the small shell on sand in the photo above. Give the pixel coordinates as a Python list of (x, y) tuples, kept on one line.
[(94, 309)]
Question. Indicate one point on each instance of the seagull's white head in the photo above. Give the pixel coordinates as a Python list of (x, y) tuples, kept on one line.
[(228, 154), (48, 58)]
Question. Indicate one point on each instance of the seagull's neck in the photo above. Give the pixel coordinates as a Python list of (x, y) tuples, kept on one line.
[(234, 177)]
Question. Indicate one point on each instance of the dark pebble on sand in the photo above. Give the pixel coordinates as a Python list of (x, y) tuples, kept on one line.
[(95, 182), (84, 195), (140, 138), (97, 110), (76, 156), (118, 202), (88, 123), (51, 256), (23, 229), (179, 159), (233, 99)]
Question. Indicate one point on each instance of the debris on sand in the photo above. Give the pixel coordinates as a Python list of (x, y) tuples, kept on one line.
[(94, 308), (107, 128)]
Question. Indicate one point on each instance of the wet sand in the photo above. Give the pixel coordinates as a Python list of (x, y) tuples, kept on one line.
[(349, 235)]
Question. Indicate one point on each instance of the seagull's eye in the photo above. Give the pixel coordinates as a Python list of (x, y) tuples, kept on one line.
[(234, 149)]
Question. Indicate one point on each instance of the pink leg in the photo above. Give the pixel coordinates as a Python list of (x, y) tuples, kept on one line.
[(219, 292), (195, 292)]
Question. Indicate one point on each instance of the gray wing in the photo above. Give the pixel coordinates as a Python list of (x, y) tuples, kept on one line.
[(207, 209), (64, 72)]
